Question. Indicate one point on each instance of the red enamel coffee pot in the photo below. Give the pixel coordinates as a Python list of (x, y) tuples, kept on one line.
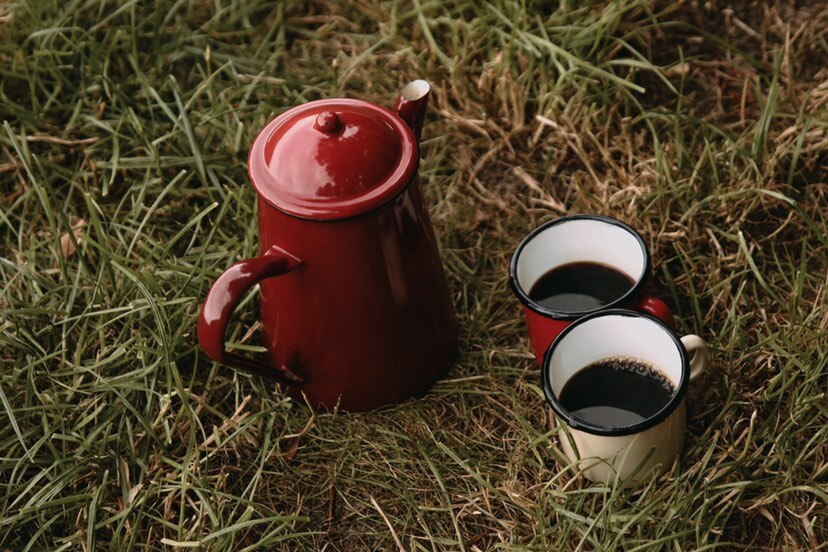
[(355, 309)]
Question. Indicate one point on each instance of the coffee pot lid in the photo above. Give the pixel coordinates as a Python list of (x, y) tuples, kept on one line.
[(332, 159)]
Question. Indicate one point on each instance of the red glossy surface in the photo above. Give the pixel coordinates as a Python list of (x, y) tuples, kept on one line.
[(367, 320), (226, 293), (412, 111), (360, 310), (332, 159), (543, 329), (658, 308)]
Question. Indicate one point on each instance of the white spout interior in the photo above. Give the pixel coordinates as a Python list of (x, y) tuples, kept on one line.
[(415, 90)]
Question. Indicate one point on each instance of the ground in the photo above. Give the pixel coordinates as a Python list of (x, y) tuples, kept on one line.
[(124, 194)]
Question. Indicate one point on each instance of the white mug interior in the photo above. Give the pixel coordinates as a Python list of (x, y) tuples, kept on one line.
[(587, 239), (619, 334)]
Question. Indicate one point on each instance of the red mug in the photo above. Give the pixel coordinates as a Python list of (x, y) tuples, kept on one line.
[(355, 308), (572, 239)]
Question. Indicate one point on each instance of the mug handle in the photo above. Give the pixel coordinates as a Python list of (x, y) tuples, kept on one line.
[(697, 350), (223, 299), (658, 308)]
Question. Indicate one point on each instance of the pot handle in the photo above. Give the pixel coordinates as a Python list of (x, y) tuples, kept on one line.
[(222, 300)]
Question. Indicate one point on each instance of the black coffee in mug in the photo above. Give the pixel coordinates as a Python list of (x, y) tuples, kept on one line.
[(616, 392), (580, 286)]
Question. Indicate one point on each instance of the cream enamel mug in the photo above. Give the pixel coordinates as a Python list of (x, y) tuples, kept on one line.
[(629, 452)]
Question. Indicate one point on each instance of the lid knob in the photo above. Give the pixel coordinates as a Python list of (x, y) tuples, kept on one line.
[(327, 122), (333, 159)]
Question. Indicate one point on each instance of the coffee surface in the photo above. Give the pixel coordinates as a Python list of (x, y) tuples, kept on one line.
[(581, 286), (616, 392)]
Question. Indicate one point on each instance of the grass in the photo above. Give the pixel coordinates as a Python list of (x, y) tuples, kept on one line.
[(124, 194)]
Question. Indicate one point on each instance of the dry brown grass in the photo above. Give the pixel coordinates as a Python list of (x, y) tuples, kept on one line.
[(123, 436)]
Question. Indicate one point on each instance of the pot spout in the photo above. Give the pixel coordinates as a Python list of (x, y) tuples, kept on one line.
[(411, 105)]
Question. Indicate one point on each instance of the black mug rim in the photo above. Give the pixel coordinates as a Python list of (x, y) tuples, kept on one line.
[(523, 295), (616, 431)]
